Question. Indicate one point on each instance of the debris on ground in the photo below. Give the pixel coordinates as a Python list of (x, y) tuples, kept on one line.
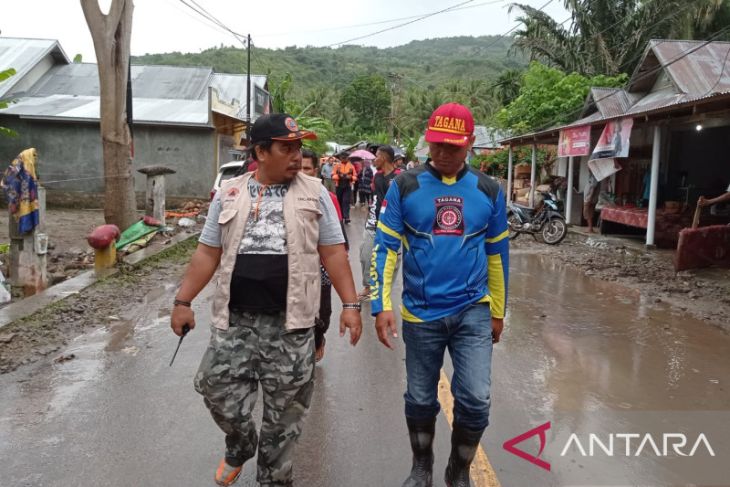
[(38, 336), (189, 209), (68, 251), (186, 222), (704, 293), (64, 358)]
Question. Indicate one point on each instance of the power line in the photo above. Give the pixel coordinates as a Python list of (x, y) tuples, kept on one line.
[(378, 22), (211, 18), (402, 25), (719, 77)]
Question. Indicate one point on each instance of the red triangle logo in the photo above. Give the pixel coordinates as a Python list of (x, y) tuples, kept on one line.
[(509, 445)]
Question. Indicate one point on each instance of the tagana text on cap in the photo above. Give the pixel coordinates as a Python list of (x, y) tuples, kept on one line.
[(278, 126), (450, 123)]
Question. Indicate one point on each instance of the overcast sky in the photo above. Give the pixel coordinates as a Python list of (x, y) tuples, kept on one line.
[(169, 25)]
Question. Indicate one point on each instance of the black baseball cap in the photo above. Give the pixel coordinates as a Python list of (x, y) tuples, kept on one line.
[(278, 126)]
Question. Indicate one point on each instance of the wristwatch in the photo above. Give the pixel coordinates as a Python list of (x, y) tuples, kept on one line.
[(355, 305)]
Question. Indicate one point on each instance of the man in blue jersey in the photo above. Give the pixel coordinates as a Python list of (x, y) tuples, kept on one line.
[(452, 223)]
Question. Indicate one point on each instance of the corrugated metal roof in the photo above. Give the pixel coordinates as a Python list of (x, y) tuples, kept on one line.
[(171, 82), (86, 108), (703, 72), (486, 137), (698, 71), (22, 55), (233, 86), (161, 82), (610, 101)]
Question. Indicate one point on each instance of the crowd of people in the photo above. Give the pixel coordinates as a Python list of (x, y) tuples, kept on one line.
[(351, 176), (276, 236)]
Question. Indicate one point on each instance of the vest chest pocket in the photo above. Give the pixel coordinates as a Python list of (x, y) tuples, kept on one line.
[(308, 221), (226, 219)]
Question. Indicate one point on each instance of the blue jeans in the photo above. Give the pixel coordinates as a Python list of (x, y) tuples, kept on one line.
[(468, 336)]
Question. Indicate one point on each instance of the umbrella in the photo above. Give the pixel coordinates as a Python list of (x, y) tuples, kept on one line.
[(363, 154)]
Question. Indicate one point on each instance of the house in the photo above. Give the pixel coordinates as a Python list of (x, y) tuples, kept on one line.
[(187, 118), (678, 102)]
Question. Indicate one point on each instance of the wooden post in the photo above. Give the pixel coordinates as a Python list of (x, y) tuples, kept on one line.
[(696, 218), (155, 198), (155, 195), (28, 263)]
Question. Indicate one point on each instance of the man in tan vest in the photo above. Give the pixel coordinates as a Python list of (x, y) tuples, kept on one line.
[(265, 233)]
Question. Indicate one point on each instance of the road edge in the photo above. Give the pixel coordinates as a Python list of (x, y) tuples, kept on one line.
[(28, 306)]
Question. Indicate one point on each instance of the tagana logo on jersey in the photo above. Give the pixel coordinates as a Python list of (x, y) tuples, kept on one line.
[(449, 216)]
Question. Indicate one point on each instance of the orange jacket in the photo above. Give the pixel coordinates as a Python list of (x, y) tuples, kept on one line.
[(344, 169)]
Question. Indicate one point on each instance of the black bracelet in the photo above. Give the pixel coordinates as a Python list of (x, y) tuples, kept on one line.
[(351, 306), (181, 303)]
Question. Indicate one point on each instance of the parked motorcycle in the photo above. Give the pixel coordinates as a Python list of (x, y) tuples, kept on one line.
[(545, 220)]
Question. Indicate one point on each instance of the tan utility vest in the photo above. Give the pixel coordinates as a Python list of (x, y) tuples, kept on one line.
[(301, 219)]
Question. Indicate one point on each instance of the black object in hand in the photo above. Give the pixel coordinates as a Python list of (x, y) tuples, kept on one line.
[(185, 331)]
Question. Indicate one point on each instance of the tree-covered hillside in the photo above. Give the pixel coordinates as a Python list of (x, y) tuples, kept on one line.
[(429, 63), (334, 88)]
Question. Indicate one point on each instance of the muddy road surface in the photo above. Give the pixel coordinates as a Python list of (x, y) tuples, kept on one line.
[(576, 352)]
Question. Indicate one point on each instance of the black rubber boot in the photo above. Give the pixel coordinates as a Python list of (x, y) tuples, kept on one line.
[(421, 433), (464, 444)]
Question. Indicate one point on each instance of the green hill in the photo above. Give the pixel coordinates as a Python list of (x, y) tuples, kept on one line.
[(327, 83), (429, 63)]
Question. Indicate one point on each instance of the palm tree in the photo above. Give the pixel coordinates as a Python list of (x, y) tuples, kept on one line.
[(609, 36), (507, 87)]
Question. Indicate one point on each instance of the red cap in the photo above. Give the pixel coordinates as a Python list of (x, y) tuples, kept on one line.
[(450, 123)]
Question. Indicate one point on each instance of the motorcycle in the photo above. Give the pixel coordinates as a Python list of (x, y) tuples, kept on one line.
[(545, 220)]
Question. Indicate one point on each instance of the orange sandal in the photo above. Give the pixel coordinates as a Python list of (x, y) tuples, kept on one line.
[(227, 475)]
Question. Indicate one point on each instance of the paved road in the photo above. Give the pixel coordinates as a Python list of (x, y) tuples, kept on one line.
[(575, 351)]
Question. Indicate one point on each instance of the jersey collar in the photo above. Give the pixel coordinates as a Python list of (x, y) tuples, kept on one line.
[(446, 180)]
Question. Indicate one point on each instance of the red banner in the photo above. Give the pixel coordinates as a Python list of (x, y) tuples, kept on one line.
[(575, 141)]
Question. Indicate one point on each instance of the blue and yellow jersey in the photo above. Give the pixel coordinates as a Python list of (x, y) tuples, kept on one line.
[(456, 250)]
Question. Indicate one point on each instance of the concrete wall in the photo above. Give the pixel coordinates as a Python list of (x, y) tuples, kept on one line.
[(72, 151)]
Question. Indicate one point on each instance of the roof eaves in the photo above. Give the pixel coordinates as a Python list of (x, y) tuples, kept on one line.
[(96, 121)]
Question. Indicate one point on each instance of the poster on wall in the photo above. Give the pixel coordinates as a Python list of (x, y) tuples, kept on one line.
[(615, 139), (575, 141), (262, 102), (603, 168)]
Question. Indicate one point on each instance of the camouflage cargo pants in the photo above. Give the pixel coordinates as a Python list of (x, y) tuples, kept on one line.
[(257, 350)]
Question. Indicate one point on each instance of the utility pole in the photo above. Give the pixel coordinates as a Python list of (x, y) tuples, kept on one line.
[(248, 89), (394, 89)]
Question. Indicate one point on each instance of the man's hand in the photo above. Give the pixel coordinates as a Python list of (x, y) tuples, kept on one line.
[(702, 201), (350, 318), (181, 316), (497, 327), (384, 324)]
